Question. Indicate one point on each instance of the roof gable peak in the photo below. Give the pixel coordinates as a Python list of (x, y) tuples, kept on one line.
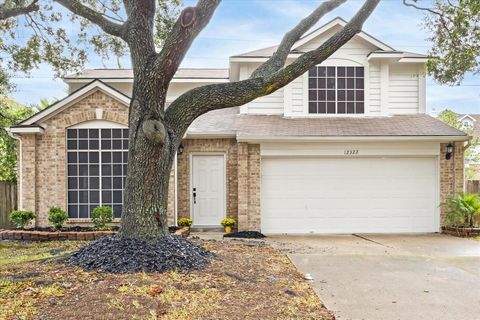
[(338, 21), (74, 97)]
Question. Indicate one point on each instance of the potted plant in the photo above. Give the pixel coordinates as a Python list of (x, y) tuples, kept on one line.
[(184, 222), (228, 224), (184, 225)]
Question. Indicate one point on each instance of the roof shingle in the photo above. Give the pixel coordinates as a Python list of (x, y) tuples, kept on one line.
[(229, 121)]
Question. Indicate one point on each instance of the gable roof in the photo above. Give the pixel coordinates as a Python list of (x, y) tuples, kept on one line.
[(340, 22), (468, 116), (72, 98), (267, 52)]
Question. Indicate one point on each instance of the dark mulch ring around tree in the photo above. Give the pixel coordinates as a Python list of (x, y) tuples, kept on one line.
[(116, 255), (245, 235)]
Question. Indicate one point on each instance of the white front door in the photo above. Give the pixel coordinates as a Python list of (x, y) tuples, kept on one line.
[(208, 190)]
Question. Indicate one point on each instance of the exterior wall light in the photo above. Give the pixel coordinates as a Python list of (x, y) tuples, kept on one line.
[(180, 149), (449, 151)]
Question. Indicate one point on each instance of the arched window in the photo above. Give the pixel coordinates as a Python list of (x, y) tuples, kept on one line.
[(97, 155)]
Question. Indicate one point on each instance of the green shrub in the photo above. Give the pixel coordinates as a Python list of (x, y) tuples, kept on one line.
[(102, 215), (462, 209), (184, 222), (57, 217), (21, 218), (228, 222)]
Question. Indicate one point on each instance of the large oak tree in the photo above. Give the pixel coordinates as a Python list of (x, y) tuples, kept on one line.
[(156, 131)]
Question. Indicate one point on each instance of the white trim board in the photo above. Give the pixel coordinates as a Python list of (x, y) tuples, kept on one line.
[(257, 139), (339, 21), (99, 124)]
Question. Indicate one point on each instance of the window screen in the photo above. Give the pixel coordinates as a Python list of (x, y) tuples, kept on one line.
[(96, 170), (336, 90)]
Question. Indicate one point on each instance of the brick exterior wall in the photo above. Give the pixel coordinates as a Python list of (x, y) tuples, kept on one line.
[(451, 174), (220, 146), (44, 166), (44, 156), (249, 181)]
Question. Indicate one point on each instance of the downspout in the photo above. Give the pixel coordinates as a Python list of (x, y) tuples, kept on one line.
[(465, 147), (175, 202), (19, 168)]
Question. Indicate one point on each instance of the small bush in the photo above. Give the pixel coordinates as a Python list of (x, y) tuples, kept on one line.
[(228, 222), (184, 222), (102, 215), (21, 218), (57, 217), (462, 209)]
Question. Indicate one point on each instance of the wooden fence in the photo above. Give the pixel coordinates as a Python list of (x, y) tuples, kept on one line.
[(472, 186), (8, 201)]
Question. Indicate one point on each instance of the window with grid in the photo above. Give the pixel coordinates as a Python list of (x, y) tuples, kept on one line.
[(336, 90), (96, 170)]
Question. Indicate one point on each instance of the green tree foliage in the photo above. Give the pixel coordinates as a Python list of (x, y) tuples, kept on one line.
[(41, 33), (455, 29), (11, 113), (451, 118), (471, 153)]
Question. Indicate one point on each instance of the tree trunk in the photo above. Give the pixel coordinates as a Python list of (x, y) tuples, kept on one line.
[(151, 153)]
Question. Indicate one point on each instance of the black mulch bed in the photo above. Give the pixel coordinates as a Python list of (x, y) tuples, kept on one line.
[(245, 235), (172, 229), (114, 255)]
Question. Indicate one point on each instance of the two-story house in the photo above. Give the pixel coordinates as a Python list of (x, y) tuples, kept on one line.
[(345, 148)]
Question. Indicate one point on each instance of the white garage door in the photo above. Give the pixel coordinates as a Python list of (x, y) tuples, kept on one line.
[(370, 195)]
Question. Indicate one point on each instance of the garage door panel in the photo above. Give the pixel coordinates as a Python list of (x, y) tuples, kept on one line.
[(348, 195)]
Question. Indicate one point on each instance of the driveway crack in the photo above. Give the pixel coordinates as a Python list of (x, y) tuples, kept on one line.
[(366, 239)]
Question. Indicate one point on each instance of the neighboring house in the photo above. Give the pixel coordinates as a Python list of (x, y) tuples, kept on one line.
[(471, 122), (345, 148)]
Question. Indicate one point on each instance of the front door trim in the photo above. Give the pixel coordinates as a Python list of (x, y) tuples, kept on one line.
[(191, 156)]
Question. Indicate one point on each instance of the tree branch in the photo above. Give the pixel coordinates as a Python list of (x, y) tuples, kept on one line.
[(6, 13), (190, 105), (406, 3), (76, 7), (191, 22), (434, 12), (277, 60)]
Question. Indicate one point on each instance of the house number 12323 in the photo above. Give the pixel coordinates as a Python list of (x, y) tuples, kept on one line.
[(350, 151)]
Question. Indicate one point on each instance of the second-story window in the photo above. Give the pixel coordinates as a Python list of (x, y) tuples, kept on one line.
[(336, 90)]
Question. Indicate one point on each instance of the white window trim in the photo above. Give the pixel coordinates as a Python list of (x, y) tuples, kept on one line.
[(92, 124)]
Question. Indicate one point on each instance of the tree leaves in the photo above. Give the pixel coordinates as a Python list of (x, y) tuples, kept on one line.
[(455, 28), (46, 36)]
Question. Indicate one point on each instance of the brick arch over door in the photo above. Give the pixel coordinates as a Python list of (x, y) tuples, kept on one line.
[(50, 148)]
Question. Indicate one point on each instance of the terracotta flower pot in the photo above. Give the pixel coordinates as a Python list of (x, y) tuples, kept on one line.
[(228, 229)]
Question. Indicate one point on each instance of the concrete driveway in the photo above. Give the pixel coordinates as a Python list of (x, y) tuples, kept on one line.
[(390, 276)]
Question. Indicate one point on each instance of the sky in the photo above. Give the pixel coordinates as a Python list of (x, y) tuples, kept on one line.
[(243, 25)]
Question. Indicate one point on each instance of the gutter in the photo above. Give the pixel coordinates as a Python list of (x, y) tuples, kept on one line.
[(175, 186), (19, 166), (257, 139)]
